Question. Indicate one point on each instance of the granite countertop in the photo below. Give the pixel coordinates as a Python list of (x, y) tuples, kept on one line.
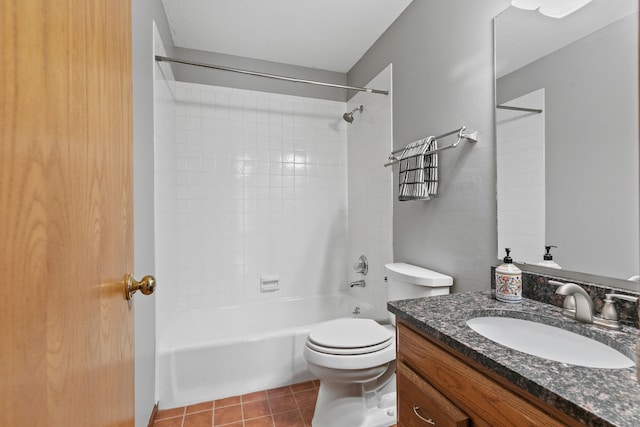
[(597, 397)]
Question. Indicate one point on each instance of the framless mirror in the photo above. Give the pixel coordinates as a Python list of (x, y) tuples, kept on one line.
[(567, 138)]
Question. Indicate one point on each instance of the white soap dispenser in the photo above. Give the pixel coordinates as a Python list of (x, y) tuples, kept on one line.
[(548, 259), (508, 281)]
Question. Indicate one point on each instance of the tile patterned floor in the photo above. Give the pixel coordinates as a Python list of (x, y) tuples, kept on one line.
[(288, 406)]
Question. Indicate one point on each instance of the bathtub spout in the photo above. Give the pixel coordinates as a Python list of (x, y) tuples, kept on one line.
[(359, 283)]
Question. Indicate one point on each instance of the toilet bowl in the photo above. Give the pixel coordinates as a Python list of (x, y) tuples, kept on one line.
[(354, 358)]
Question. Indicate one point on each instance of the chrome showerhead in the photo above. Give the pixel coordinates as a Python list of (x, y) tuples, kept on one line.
[(348, 117)]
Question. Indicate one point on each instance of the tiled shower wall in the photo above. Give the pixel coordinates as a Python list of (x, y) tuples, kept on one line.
[(260, 190), (520, 155), (370, 192)]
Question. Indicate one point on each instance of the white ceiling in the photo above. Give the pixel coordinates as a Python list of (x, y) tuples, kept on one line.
[(326, 34)]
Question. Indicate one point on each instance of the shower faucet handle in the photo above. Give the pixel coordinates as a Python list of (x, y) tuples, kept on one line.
[(362, 266)]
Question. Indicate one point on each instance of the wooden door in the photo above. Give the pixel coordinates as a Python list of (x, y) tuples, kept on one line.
[(66, 330)]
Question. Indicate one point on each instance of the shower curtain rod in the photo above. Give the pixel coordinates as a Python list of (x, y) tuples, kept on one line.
[(270, 76), (528, 110)]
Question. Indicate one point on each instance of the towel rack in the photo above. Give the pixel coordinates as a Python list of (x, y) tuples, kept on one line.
[(470, 137)]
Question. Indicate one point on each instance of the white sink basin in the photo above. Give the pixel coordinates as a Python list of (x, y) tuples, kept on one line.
[(549, 342)]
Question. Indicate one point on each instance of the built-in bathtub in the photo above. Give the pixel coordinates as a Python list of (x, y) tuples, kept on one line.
[(211, 353)]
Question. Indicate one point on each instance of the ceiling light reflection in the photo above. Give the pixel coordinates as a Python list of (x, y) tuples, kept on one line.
[(552, 8)]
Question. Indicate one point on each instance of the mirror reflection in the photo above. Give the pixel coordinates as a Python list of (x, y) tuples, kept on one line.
[(567, 138)]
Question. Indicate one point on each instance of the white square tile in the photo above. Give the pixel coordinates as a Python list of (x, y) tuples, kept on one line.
[(227, 178)]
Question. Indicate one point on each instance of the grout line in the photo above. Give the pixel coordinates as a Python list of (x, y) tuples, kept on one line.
[(267, 398), (273, 423)]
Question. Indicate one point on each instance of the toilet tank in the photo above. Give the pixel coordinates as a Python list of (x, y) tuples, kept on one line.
[(406, 281)]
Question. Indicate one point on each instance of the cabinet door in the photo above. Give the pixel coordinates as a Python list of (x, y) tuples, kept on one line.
[(419, 404)]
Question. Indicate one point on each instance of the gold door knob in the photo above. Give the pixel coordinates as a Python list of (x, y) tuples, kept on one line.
[(147, 285)]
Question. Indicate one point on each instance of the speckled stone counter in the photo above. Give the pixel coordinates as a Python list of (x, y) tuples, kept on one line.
[(597, 397)]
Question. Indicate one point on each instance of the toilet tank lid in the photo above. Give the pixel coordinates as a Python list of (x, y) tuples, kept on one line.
[(417, 275)]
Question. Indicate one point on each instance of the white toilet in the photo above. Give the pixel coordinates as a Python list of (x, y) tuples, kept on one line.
[(354, 358)]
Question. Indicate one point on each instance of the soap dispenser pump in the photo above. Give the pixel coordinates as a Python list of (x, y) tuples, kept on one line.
[(548, 259), (508, 280)]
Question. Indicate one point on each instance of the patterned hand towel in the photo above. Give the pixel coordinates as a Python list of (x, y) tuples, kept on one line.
[(412, 177), (431, 168)]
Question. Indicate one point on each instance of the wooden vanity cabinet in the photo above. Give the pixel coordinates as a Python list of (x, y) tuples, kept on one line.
[(420, 404), (446, 387)]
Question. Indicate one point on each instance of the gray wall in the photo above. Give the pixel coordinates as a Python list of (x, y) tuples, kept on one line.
[(191, 74), (591, 117), (144, 12), (443, 78)]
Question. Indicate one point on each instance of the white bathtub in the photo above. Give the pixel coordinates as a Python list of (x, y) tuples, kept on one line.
[(211, 353)]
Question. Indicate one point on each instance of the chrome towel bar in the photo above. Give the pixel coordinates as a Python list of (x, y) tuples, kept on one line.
[(470, 137)]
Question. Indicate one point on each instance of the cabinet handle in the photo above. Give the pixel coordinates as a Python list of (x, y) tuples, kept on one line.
[(416, 408)]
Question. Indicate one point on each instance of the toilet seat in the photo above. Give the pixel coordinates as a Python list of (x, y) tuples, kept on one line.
[(349, 337), (349, 351)]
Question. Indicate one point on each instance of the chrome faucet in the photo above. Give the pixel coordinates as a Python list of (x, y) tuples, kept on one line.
[(358, 283), (578, 305), (583, 302)]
